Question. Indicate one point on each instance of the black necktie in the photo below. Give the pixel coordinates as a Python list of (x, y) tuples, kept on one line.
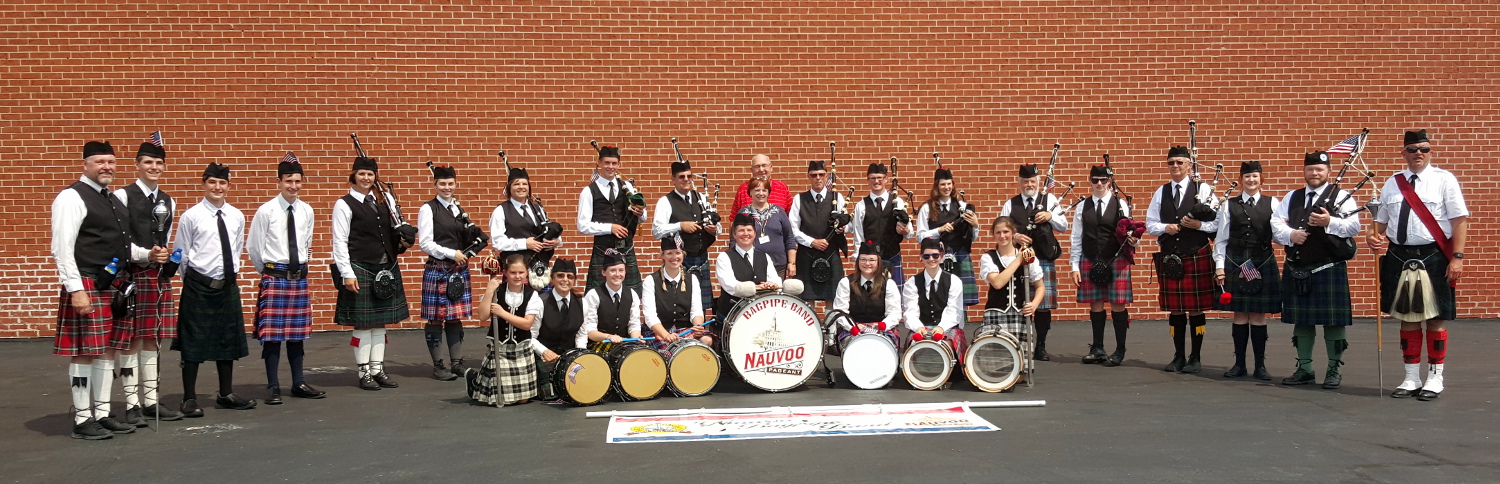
[(293, 257), (565, 305), (1030, 204), (370, 202), (616, 298), (1176, 195), (151, 201), (1251, 202), (817, 198), (932, 293), (526, 212), (1405, 214), (880, 203), (1312, 200), (867, 286), (612, 193), (224, 247)]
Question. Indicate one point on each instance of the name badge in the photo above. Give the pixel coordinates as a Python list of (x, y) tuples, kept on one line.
[(764, 239)]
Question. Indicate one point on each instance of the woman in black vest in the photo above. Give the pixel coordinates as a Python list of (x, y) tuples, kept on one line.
[(517, 222), (554, 334), (1246, 267), (1096, 241), (371, 294), (944, 218), (669, 298), (870, 297), (611, 312), (508, 374), (442, 235)]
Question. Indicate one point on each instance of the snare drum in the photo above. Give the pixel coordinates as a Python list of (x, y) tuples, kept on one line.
[(927, 364), (639, 371), (773, 340), (581, 377), (870, 360), (994, 360), (692, 367)]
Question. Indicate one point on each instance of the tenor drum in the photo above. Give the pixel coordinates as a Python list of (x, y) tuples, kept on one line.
[(870, 360), (773, 341), (639, 371), (994, 360), (692, 367), (581, 377), (927, 364)]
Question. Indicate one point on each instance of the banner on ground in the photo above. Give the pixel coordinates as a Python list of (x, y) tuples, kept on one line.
[(788, 422)]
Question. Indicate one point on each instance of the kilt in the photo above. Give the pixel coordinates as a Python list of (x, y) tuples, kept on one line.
[(1011, 322), (1327, 302), (596, 269), (435, 303), (89, 334), (699, 267), (1196, 291), (211, 324), (155, 310), (1266, 300), (363, 310), (1437, 270), (508, 374), (283, 309), (1118, 291), (1049, 276), (963, 267), (818, 291)]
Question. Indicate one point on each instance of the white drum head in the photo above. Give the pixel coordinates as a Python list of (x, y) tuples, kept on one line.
[(927, 364), (870, 360), (994, 364), (774, 341)]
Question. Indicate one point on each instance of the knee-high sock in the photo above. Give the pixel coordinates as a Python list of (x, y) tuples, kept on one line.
[(130, 380), (377, 350), (362, 346), (150, 377), (1043, 321), (102, 376), (271, 352), (190, 380), (294, 353), (1302, 338), (1199, 323), (433, 333), (455, 332), (226, 377), (1411, 346), (1437, 349), (1122, 326), (1177, 325), (1334, 337), (78, 382), (1241, 335), (1258, 342), (1097, 318)]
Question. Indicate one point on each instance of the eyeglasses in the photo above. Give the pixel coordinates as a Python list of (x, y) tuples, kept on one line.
[(684, 177), (932, 256), (1176, 162), (1414, 150), (1098, 180)]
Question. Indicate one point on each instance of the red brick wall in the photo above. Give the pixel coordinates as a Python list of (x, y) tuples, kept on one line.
[(988, 84)]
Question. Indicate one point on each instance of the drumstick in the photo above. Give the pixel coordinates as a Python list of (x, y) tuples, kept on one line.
[(689, 330), (631, 340)]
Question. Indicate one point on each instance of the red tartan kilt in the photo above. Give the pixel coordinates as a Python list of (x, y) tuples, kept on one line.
[(1196, 291), (89, 334), (1119, 291), (155, 310)]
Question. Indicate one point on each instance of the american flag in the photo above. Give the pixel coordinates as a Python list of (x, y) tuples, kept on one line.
[(1248, 271), (1051, 182), (1345, 147), (155, 138), (289, 158)]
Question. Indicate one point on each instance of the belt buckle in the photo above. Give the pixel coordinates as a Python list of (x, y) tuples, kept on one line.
[(216, 284), (295, 274)]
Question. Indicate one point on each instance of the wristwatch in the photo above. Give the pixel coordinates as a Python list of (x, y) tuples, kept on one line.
[(1458, 255)]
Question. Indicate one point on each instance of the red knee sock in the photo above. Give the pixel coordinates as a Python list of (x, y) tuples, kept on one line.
[(1411, 346), (1437, 348)]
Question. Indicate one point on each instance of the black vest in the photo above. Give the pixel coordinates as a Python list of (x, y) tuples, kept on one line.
[(958, 239), (1099, 243), (1041, 235), (690, 210), (865, 307), (520, 310), (747, 271), (931, 311), (1318, 248), (615, 318), (103, 235), (1019, 285), (143, 231), (1187, 240), (607, 212), (674, 302), (880, 226), (446, 230), (517, 226), (1250, 227), (559, 330), (371, 238)]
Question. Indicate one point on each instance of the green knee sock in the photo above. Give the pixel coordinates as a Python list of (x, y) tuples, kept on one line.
[(1335, 338), (1302, 337)]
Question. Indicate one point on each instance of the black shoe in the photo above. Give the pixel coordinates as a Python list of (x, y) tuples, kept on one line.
[(367, 383), (275, 398), (304, 391), (234, 402), (1096, 355), (1427, 395), (1404, 393), (1262, 374), (1175, 365), (190, 408), (1193, 365), (384, 381), (161, 413), (1115, 359), (458, 368), (90, 430), (1332, 379), (112, 425), (1041, 353), (1301, 377), (442, 374), (1235, 371), (133, 417)]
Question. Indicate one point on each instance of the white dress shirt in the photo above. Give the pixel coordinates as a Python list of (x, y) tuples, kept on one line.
[(1342, 227), (267, 243), (892, 297), (989, 266), (138, 254), (925, 231), (1158, 227), (591, 315), (1279, 230), (727, 282), (341, 216), (586, 223), (499, 240), (1059, 220), (662, 225), (536, 326), (1075, 249), (1439, 191), (857, 225), (68, 212), (795, 215), (648, 297), (198, 237), (951, 311), (424, 230)]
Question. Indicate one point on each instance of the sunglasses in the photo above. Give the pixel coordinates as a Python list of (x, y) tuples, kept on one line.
[(1176, 162), (684, 177), (1414, 150), (1098, 180), (932, 256)]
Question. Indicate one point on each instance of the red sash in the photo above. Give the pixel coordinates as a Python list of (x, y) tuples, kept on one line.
[(1420, 209)]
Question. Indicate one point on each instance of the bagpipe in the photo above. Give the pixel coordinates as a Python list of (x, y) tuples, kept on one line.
[(1205, 206), (475, 238), (629, 219), (540, 262), (385, 194), (1051, 250), (1344, 248), (903, 216), (841, 218)]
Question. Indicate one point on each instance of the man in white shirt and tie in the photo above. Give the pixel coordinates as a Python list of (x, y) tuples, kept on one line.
[(279, 247), (1184, 226), (881, 218), (1097, 243), (449, 238), (811, 216), (1042, 213), (605, 212), (611, 312), (681, 213)]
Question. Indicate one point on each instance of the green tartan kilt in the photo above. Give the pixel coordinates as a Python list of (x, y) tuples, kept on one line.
[(363, 310), (210, 321), (1326, 303), (596, 269)]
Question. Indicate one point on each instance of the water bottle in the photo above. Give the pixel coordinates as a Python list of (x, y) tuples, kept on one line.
[(176, 255), (114, 266)]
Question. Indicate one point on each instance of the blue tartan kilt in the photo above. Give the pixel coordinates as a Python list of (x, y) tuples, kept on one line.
[(1326, 303), (1267, 290), (283, 309), (963, 267), (1049, 276), (435, 303)]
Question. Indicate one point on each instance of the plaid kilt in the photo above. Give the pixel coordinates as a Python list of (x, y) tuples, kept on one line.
[(155, 310), (362, 310), (1266, 300), (963, 267), (89, 334), (211, 325), (1196, 291), (1011, 322), (596, 269), (1327, 302), (508, 374), (435, 303), (283, 309), (1118, 291), (1391, 265), (1049, 276), (956, 340), (818, 291)]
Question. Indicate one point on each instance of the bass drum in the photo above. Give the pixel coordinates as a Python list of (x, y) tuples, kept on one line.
[(581, 377), (927, 364), (639, 371), (994, 360), (692, 367), (773, 341), (870, 360)]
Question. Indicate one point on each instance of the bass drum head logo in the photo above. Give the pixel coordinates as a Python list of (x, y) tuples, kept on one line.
[(775, 342)]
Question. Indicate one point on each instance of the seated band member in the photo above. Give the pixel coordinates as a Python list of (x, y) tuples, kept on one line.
[(1246, 267), (211, 326), (1184, 228), (812, 217), (280, 246), (611, 312), (742, 270), (944, 219), (773, 230), (1016, 289), (508, 374), (870, 297), (365, 251), (1096, 240), (668, 299), (680, 213), (442, 235), (562, 315), (934, 302), (1046, 218)]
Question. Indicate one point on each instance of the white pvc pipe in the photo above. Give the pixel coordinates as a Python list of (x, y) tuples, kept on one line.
[(761, 410)]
